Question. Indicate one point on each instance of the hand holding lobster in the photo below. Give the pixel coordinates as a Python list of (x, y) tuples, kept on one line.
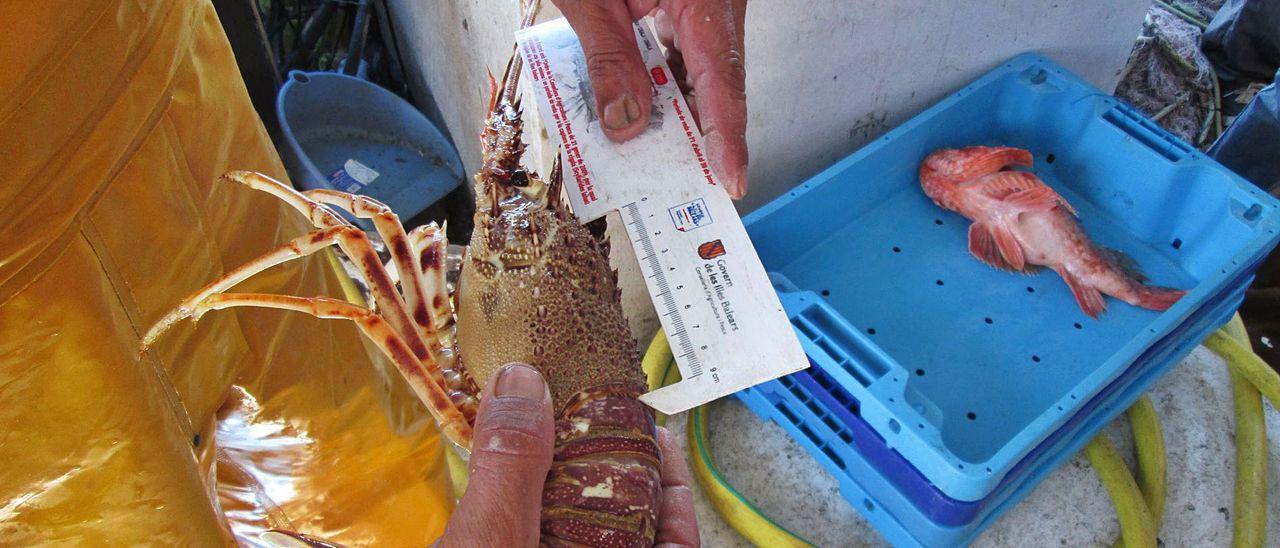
[(512, 452)]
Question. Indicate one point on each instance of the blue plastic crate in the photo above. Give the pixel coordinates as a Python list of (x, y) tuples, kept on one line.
[(825, 420), (976, 386)]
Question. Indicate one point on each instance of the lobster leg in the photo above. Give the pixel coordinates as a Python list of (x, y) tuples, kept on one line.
[(298, 247), (425, 298), (460, 388), (388, 226), (430, 247), (356, 245), (451, 414)]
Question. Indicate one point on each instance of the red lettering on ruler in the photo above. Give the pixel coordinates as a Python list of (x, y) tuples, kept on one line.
[(539, 67), (693, 142)]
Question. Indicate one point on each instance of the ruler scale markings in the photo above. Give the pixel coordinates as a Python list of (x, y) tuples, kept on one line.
[(676, 328), (706, 282)]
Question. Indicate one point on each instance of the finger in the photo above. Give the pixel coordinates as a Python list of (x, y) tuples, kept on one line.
[(624, 95), (713, 58), (675, 469), (663, 28), (677, 523), (666, 36), (511, 453)]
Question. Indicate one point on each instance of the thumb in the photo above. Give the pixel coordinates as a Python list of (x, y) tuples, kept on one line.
[(623, 92), (511, 453)]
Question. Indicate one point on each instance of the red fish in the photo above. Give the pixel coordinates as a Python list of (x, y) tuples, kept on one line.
[(1020, 225)]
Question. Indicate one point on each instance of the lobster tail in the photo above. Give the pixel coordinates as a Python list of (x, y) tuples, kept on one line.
[(604, 485)]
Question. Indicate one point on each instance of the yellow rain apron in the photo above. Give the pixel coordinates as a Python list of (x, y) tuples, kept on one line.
[(116, 117)]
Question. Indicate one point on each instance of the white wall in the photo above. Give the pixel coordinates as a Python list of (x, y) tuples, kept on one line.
[(823, 77)]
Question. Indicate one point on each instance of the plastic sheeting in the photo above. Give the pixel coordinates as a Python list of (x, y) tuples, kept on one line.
[(116, 117), (1248, 146), (1243, 39)]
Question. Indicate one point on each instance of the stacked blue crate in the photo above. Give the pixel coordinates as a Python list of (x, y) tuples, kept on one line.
[(942, 391)]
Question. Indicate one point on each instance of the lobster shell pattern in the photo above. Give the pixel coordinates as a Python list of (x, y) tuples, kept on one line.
[(536, 287)]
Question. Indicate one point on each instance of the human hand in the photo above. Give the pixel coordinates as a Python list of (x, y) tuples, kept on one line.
[(511, 454), (705, 50)]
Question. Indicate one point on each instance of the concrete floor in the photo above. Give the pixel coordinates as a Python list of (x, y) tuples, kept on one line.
[(1070, 508)]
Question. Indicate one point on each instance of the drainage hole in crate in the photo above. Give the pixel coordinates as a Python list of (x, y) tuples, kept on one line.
[(1035, 359), (919, 372), (988, 320), (831, 423), (894, 426), (939, 282), (823, 382), (972, 415), (891, 400), (988, 469), (937, 222), (1077, 325), (808, 433), (870, 506), (897, 249), (1031, 289), (1050, 158), (1059, 408), (1177, 243), (826, 293), (871, 331), (920, 425), (791, 417), (832, 455), (1073, 396)]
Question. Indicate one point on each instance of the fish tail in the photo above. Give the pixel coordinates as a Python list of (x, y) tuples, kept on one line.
[(1157, 298)]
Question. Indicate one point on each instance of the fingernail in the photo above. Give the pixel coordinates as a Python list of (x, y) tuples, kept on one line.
[(521, 381), (620, 112), (738, 188)]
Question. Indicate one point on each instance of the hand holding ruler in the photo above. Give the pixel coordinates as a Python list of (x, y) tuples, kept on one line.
[(727, 329)]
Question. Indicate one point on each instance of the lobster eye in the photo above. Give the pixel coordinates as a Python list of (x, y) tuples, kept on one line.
[(519, 178)]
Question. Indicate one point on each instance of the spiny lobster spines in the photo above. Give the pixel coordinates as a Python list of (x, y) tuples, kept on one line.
[(537, 288)]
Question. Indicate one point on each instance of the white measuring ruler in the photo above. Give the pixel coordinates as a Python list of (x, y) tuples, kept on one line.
[(727, 329)]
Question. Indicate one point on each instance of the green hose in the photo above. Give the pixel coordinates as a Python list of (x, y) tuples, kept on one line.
[(1137, 527)]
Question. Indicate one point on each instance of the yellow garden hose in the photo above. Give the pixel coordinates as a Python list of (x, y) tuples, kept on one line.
[(1232, 343), (1148, 441), (1148, 444), (1242, 359), (737, 511), (1137, 526), (1251, 379)]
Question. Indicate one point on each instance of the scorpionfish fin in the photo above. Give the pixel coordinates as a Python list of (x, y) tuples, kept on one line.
[(1088, 297), (995, 245)]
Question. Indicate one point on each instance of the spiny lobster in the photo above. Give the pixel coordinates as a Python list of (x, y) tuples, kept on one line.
[(535, 287)]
